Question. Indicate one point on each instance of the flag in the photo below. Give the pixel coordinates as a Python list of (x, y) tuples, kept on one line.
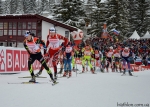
[(116, 32)]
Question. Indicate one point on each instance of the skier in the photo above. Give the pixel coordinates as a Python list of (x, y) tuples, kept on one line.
[(68, 54), (125, 54), (87, 51), (32, 45), (98, 55), (117, 58), (54, 48), (109, 56)]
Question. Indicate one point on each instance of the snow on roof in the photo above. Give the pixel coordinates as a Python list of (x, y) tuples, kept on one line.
[(11, 14)]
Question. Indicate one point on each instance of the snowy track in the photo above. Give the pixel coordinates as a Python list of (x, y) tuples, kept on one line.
[(85, 90)]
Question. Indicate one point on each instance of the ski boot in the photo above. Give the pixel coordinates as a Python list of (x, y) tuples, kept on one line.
[(83, 69), (55, 75), (38, 73), (116, 70), (32, 79), (73, 69), (124, 71), (86, 68), (120, 70), (69, 73), (65, 73), (102, 70), (61, 70), (107, 70), (92, 70), (130, 73), (52, 79)]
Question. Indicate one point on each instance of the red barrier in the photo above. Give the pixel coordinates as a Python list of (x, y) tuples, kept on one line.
[(14, 60)]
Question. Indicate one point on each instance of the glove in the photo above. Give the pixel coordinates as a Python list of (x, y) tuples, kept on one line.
[(45, 49), (46, 56), (70, 57), (65, 57)]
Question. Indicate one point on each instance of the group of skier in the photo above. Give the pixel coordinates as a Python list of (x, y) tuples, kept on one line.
[(66, 54)]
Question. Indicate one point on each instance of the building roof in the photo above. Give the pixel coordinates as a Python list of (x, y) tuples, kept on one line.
[(32, 16)]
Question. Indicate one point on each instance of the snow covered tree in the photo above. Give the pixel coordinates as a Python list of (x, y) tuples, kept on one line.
[(145, 18), (123, 16), (19, 8), (32, 6), (13, 6), (70, 9), (1, 9), (29, 6), (112, 14), (43, 7), (25, 5), (97, 18), (7, 7), (139, 17)]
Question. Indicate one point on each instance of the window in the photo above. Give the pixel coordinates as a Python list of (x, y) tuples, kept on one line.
[(38, 25), (14, 32), (1, 25), (5, 32), (1, 44), (14, 25), (23, 32), (29, 25), (33, 25), (1, 32), (10, 25), (19, 25), (5, 25), (67, 34), (19, 32), (10, 44), (39, 33), (24, 26), (10, 32)]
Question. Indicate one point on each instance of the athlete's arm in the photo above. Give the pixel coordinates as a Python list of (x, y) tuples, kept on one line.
[(63, 38), (26, 47)]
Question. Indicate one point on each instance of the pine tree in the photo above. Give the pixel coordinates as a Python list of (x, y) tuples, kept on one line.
[(44, 6), (97, 17), (32, 6), (7, 7), (112, 15), (145, 19), (19, 8), (29, 6), (1, 9), (123, 17), (72, 10), (13, 6), (135, 16), (25, 5)]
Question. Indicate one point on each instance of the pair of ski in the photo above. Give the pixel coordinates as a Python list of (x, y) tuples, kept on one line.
[(84, 72), (32, 83), (129, 75), (65, 76)]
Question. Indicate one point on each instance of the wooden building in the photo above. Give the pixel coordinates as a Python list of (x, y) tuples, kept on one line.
[(13, 27)]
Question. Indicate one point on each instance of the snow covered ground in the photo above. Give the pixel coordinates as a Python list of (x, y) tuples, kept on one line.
[(85, 90)]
